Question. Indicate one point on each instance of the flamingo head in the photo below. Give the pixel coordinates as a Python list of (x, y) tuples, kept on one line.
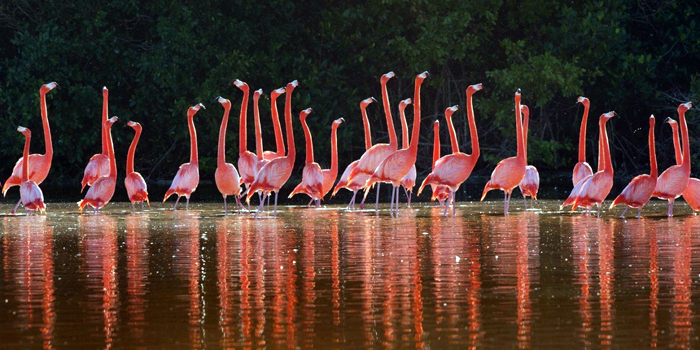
[(474, 88), (134, 125), (291, 86), (305, 113), (436, 126), (450, 111), (240, 84), (366, 102), (672, 122), (337, 122), (257, 93), (24, 131), (48, 87), (525, 110), (584, 101), (387, 76), (607, 116), (403, 104), (422, 76), (194, 109), (109, 122), (652, 120), (684, 107), (276, 93), (224, 102)]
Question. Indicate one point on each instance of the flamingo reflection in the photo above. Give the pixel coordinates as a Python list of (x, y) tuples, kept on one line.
[(682, 314), (137, 275)]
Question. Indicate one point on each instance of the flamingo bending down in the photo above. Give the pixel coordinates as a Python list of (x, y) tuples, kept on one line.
[(187, 176), (227, 180), (594, 188), (312, 176), (439, 192), (639, 190), (39, 164), (409, 181), (398, 164), (692, 192), (510, 171), (30, 194), (279, 140), (329, 175), (582, 168), (377, 153), (358, 181), (134, 182), (248, 162), (672, 182), (453, 169), (274, 174), (98, 165), (531, 182), (102, 189)]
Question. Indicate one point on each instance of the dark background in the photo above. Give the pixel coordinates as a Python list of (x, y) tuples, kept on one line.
[(160, 57)]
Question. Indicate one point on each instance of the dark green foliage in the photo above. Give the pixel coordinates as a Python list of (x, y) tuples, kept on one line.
[(157, 58)]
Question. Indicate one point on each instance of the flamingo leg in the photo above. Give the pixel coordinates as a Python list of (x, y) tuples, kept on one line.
[(506, 203), (532, 202), (639, 212), (623, 212), (408, 196), (376, 203), (391, 204), (176, 201), (187, 203), (318, 202), (351, 205), (225, 207), (454, 200), (142, 208), (444, 211), (525, 201), (310, 201), (276, 193), (133, 208), (17, 205), (670, 208), (600, 207), (260, 209), (396, 207)]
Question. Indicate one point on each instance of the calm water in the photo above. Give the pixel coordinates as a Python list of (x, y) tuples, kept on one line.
[(334, 279)]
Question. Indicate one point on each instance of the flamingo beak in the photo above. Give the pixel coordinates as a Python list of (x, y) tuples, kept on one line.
[(342, 120), (201, 105), (668, 120), (374, 99)]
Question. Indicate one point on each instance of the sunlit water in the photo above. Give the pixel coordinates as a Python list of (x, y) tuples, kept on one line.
[(328, 278)]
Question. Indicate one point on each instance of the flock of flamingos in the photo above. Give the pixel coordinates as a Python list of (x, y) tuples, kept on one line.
[(266, 172)]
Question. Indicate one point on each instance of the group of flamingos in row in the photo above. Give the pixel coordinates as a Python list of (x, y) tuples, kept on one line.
[(265, 172)]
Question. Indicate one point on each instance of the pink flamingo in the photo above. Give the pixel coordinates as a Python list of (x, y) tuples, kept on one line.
[(274, 174), (30, 194), (692, 192), (187, 176), (39, 164), (672, 182), (510, 171), (531, 182), (134, 182), (359, 180), (279, 140), (453, 169), (409, 181), (102, 189), (594, 188), (582, 168), (329, 175), (312, 175), (248, 162), (440, 192), (397, 165), (98, 165), (227, 180), (639, 190), (377, 153)]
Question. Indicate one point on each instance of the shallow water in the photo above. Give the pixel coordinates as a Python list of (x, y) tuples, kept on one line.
[(329, 278)]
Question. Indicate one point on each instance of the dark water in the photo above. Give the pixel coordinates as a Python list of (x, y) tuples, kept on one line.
[(334, 279)]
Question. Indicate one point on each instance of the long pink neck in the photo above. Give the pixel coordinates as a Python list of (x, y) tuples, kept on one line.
[(47, 129), (368, 130), (404, 127), (221, 154), (291, 149), (526, 124), (605, 147), (334, 151), (686, 142), (389, 118), (519, 130), (472, 127), (110, 149), (416, 119), (677, 144), (453, 134), (582, 134), (105, 112), (25, 157), (258, 128), (652, 151), (243, 131), (436, 143), (132, 150), (194, 157), (279, 140), (309, 142)]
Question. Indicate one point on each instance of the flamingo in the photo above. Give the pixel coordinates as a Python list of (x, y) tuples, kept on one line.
[(673, 182), (409, 181), (98, 165), (582, 168), (510, 171), (30, 194), (279, 140), (639, 190), (594, 188), (134, 182), (453, 169), (102, 189), (274, 174), (227, 180), (248, 162), (397, 165), (358, 181), (187, 176), (377, 153), (531, 182), (312, 175), (440, 192), (692, 192), (329, 175), (39, 164)]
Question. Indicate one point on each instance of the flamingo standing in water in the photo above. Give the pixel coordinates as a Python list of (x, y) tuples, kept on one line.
[(98, 165), (274, 174), (639, 190), (134, 182), (531, 182), (279, 140), (673, 182), (582, 168), (187, 176), (453, 169), (440, 192), (102, 189), (398, 164), (594, 188), (359, 180), (377, 153), (409, 181), (692, 192), (248, 162), (329, 175), (227, 180), (30, 194), (312, 175), (510, 171), (39, 164)]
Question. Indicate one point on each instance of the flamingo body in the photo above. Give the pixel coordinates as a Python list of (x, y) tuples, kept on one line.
[(409, 181), (102, 190), (228, 180), (136, 188), (581, 170), (531, 182), (31, 196), (637, 193), (450, 171), (506, 176), (311, 183), (272, 176), (692, 194), (185, 181), (97, 167)]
